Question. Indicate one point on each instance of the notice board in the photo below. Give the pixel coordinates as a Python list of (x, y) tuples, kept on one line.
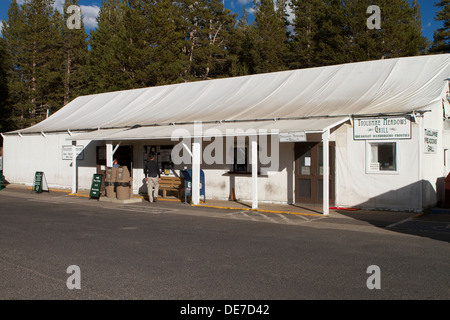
[(95, 186), (40, 183)]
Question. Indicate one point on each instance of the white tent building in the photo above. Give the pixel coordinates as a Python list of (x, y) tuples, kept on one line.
[(369, 135)]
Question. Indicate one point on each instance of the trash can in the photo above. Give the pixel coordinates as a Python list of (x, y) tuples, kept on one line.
[(110, 181), (187, 174), (123, 184), (447, 192)]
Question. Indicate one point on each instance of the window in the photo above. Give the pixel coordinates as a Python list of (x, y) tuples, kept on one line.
[(383, 156), (240, 163), (447, 160)]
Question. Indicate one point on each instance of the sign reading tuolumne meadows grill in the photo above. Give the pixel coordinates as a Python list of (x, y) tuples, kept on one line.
[(384, 128)]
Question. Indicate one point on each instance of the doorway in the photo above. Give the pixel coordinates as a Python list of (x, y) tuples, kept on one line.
[(309, 172), (123, 154)]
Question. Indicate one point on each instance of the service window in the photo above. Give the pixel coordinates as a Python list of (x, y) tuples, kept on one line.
[(163, 154), (382, 157), (446, 160), (240, 163)]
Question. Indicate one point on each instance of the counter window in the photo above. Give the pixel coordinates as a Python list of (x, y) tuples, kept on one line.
[(163, 156), (240, 163), (383, 156)]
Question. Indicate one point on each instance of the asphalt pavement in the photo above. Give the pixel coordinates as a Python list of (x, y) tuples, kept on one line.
[(434, 222), (169, 250)]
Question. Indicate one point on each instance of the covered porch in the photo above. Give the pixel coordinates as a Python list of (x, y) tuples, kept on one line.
[(190, 137)]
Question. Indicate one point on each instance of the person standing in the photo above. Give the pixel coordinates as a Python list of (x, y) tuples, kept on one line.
[(152, 177)]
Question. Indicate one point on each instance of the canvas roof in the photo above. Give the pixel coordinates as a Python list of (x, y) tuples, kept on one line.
[(213, 129), (399, 85)]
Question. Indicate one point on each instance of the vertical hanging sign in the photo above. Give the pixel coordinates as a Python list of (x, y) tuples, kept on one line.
[(431, 140), (40, 183)]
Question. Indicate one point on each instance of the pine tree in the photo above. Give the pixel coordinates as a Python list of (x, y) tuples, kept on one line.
[(43, 58), (334, 31), (13, 32), (270, 41), (75, 50), (401, 29), (363, 43), (4, 107), (220, 23), (194, 26), (306, 27), (164, 38), (138, 43), (400, 34), (321, 33), (105, 70), (331, 37), (33, 45), (208, 29), (441, 43), (242, 48)]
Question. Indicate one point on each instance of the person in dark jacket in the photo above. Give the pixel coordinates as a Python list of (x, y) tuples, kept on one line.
[(152, 177)]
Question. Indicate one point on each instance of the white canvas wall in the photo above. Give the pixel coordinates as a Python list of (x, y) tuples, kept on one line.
[(274, 187), (433, 163), (417, 183), (25, 155)]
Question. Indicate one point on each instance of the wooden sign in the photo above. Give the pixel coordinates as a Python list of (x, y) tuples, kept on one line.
[(95, 187), (40, 183)]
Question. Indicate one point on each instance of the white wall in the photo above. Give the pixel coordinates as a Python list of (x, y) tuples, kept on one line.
[(25, 155), (433, 163), (384, 190), (272, 187), (412, 187)]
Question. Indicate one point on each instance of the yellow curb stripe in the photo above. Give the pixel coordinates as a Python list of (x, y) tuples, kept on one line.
[(79, 195), (290, 212), (57, 190), (259, 210), (218, 207), (159, 198), (54, 190), (136, 197)]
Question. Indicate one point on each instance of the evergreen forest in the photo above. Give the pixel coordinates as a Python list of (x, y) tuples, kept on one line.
[(44, 64)]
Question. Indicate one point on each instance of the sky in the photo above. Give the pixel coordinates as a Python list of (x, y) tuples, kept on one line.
[(90, 9)]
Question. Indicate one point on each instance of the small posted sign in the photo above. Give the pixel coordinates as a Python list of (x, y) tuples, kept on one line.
[(292, 137), (431, 140), (95, 187), (40, 183)]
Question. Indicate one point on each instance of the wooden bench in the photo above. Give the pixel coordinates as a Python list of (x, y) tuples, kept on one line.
[(171, 184)]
